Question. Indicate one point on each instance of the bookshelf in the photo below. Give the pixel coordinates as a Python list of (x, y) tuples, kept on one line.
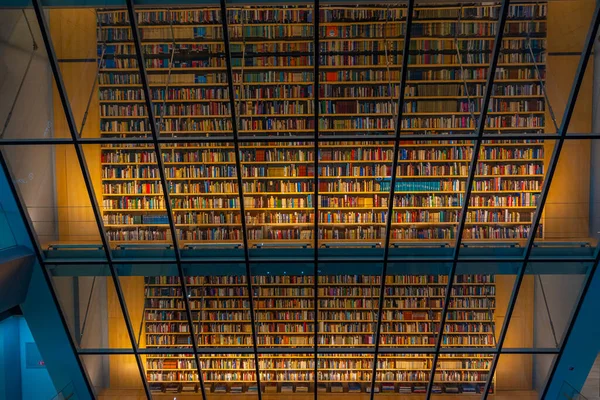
[(360, 70), (347, 306)]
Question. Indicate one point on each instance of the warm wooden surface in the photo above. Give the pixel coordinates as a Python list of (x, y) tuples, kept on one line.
[(139, 395), (514, 372), (566, 214), (123, 371), (73, 33)]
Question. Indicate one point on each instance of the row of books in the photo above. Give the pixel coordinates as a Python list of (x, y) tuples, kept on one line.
[(302, 316), (369, 76), (387, 328), (324, 304), (290, 90), (380, 154), (157, 386), (478, 279), (327, 14), (348, 185), (327, 291)]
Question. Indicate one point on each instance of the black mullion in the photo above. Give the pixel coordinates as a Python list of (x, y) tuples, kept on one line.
[(52, 59), (316, 234), (469, 186), (386, 248), (160, 165), (240, 183), (562, 134)]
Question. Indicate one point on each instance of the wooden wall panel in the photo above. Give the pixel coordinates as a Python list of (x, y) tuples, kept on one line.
[(514, 372), (124, 372), (568, 21), (566, 214), (74, 37)]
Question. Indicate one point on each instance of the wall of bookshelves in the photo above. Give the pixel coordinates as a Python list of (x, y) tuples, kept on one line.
[(347, 306), (360, 57)]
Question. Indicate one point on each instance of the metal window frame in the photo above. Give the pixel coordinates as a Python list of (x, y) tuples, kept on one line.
[(564, 126), (165, 186), (72, 125), (156, 140), (240, 183), (469, 185), (394, 176)]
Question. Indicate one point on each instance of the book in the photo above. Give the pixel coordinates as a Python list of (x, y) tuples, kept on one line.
[(375, 390), (188, 388), (172, 388), (220, 388), (287, 388), (321, 387), (302, 388), (337, 387), (354, 387)]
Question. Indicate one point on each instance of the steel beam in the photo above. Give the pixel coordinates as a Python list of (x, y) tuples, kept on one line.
[(394, 177), (240, 184), (163, 179), (469, 185)]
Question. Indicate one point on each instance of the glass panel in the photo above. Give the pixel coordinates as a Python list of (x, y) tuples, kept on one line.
[(354, 186), (548, 296), (471, 319), (429, 195), (54, 194), (566, 41), (278, 191), (284, 306), (344, 373), (220, 306), (413, 306), (348, 307), (567, 214), (360, 58), (233, 373), (204, 192), (90, 305), (151, 294), (272, 55), (508, 184), (524, 376), (75, 36), (287, 373), (518, 104), (115, 375), (461, 373), (30, 106), (402, 373), (122, 109), (445, 68), (171, 373), (186, 68), (133, 207)]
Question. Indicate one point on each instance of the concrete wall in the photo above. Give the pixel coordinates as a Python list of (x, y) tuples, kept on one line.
[(562, 292), (32, 117)]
